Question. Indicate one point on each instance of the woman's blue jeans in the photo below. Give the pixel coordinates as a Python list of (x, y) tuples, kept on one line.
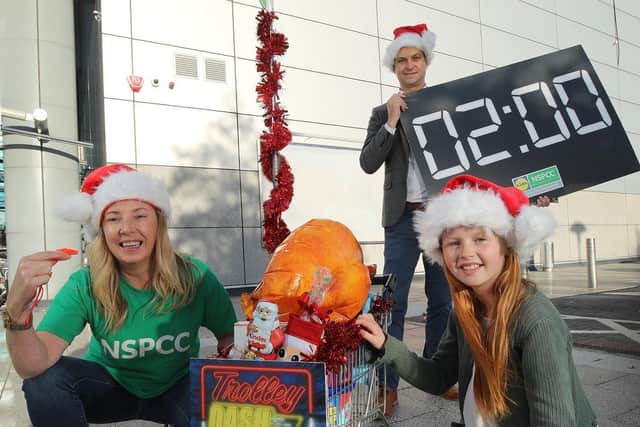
[(75, 392), (401, 253)]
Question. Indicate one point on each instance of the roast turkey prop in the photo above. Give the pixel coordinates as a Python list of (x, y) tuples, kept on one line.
[(317, 243)]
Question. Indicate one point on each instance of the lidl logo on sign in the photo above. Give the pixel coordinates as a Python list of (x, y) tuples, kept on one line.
[(539, 182)]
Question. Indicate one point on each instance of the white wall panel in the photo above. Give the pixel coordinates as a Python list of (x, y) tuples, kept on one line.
[(446, 68), (629, 87), (617, 185), (520, 18), (220, 248), (611, 241), (331, 185), (328, 49), (247, 78), (356, 15), (251, 207), (629, 114), (596, 208), (154, 61), (175, 136), (633, 180), (119, 131), (548, 5), (631, 7), (201, 197), (633, 239), (633, 207), (244, 30), (255, 256), (610, 78), (327, 99), (599, 47), (630, 57), (196, 24), (591, 13), (561, 246), (116, 17), (340, 136), (455, 36), (313, 45), (249, 130), (469, 9), (502, 48), (116, 67), (629, 28)]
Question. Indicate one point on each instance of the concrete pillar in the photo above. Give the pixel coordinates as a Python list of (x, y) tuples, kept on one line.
[(38, 55)]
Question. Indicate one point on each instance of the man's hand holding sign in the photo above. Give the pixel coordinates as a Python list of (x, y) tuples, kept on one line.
[(544, 125)]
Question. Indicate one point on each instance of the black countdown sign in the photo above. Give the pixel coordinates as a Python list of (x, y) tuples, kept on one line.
[(544, 125)]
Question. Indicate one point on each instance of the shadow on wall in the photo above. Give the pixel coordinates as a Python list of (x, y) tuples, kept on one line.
[(217, 207), (578, 229)]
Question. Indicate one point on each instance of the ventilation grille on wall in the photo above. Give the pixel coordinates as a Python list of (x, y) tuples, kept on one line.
[(186, 65), (215, 69)]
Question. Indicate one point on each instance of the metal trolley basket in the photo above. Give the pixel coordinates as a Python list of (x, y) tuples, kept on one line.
[(352, 396)]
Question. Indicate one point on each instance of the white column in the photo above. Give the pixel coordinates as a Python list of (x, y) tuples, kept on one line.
[(38, 55)]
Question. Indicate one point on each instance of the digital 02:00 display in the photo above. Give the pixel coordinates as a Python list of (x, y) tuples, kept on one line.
[(549, 111)]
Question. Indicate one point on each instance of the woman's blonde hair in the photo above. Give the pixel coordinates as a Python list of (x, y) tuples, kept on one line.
[(490, 345), (172, 277)]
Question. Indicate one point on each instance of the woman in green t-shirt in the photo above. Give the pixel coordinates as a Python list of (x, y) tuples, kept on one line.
[(143, 302)]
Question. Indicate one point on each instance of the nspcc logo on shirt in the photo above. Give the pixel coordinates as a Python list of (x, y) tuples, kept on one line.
[(131, 349)]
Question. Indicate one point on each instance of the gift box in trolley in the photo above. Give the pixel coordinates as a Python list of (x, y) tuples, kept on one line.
[(353, 389)]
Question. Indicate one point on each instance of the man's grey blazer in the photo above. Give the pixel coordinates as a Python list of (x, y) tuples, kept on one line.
[(392, 150)]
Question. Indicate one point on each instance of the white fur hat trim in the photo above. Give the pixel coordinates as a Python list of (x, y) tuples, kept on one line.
[(426, 43), (469, 207)]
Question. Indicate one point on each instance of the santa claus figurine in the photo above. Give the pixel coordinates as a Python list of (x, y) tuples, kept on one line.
[(264, 335)]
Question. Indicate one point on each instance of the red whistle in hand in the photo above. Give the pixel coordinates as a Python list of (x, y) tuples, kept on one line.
[(68, 251)]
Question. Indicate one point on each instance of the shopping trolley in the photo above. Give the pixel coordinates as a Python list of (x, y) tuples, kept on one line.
[(352, 396)]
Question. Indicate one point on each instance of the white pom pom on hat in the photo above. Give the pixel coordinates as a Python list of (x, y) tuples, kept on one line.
[(467, 200), (417, 36), (107, 185)]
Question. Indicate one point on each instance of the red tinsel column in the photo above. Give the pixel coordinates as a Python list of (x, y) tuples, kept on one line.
[(276, 136)]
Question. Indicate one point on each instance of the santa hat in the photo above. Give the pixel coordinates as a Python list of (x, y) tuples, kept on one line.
[(470, 201), (107, 185), (417, 36)]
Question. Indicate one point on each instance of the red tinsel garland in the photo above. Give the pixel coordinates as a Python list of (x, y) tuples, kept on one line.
[(342, 338), (277, 135)]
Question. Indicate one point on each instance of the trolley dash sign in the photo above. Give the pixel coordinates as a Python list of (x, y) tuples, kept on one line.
[(249, 393)]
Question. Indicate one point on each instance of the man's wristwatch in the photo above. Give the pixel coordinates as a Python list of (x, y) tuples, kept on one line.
[(11, 325)]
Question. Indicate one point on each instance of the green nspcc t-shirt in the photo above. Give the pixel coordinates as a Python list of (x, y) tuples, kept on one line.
[(151, 351)]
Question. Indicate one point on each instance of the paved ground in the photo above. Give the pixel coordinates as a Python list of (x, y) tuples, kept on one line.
[(608, 321), (607, 318)]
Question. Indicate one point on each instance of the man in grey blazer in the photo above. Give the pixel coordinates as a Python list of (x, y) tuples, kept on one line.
[(408, 57)]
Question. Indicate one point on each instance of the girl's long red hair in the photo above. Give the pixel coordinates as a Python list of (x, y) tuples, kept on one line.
[(490, 345)]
